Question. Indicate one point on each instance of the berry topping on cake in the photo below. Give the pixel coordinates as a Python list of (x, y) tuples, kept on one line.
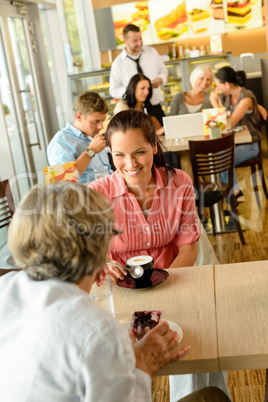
[(142, 321)]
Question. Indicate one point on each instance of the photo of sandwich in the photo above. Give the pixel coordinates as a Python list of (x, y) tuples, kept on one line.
[(172, 24), (239, 12), (216, 7), (141, 16), (136, 13), (118, 29), (198, 20)]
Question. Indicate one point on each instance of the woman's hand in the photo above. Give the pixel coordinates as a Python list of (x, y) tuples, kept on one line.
[(160, 131), (263, 112), (156, 349), (214, 98), (114, 272)]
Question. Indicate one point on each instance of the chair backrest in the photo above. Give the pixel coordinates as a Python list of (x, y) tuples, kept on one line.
[(6, 204), (211, 157)]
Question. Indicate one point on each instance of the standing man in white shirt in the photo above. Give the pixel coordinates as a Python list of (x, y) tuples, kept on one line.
[(136, 58)]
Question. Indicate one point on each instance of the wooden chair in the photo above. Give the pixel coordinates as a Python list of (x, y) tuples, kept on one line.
[(210, 158), (4, 271), (253, 163), (6, 204)]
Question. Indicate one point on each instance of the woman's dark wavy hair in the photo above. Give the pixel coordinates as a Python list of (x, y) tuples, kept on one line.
[(228, 74), (129, 95), (136, 119)]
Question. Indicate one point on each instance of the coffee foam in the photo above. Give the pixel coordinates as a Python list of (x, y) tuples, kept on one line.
[(139, 260)]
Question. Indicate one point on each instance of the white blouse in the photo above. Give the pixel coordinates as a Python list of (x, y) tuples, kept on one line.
[(193, 108)]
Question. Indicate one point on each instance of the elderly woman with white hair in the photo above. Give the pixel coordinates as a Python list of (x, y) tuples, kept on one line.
[(197, 98)]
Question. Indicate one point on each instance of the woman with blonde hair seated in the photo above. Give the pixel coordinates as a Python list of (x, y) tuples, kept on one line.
[(197, 98), (193, 101)]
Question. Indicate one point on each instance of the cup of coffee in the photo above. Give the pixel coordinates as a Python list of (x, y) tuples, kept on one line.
[(147, 263)]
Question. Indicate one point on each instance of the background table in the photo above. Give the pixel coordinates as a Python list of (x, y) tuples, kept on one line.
[(187, 298), (175, 145)]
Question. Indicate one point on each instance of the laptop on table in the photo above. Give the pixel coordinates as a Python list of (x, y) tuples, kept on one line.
[(183, 126)]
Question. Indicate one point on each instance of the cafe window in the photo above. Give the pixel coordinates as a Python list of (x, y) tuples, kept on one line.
[(53, 47), (78, 29)]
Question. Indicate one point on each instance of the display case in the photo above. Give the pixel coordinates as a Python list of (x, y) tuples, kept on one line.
[(96, 81), (178, 79)]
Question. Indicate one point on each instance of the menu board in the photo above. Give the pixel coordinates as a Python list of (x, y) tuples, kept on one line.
[(136, 13), (205, 17), (243, 14), (162, 22), (170, 24)]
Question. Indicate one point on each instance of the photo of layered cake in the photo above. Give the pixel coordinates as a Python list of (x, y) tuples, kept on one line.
[(216, 7), (239, 12), (198, 20)]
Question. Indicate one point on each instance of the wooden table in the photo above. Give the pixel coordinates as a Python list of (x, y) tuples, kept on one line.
[(242, 315), (175, 145), (187, 298), (222, 310)]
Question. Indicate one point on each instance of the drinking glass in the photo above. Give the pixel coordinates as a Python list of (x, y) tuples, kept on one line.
[(102, 295), (101, 171)]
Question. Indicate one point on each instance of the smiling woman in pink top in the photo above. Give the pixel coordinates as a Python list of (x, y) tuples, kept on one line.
[(154, 204)]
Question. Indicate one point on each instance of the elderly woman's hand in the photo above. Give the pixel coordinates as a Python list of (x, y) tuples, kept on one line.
[(156, 349)]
